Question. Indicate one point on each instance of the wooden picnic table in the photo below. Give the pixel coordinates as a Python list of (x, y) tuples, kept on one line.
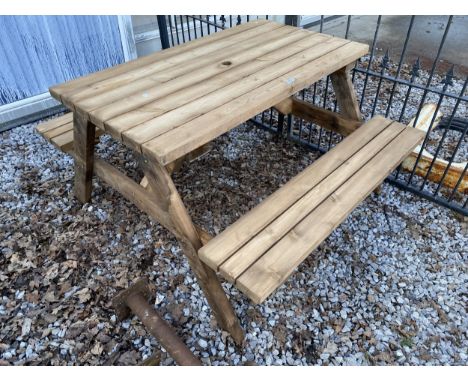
[(168, 105)]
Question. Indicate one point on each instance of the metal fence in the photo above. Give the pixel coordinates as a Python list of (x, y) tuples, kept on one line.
[(399, 86)]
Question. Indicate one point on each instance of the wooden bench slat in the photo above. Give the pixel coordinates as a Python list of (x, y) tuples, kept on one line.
[(220, 248), (126, 83), (50, 134), (64, 141), (64, 89), (52, 124), (233, 267), (177, 142), (205, 105), (274, 267), (59, 132), (149, 103)]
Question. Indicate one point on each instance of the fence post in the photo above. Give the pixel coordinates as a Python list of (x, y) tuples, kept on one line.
[(163, 33), (292, 20)]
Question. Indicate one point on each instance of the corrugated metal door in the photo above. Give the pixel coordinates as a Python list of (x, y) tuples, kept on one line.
[(39, 51)]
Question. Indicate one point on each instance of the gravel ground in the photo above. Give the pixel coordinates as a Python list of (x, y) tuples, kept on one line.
[(389, 286)]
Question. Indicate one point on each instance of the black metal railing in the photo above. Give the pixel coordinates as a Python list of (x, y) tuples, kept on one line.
[(397, 87)]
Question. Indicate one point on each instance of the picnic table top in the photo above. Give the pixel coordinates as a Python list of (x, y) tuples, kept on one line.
[(171, 102)]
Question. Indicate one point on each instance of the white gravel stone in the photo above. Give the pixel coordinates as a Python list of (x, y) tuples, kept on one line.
[(324, 356), (203, 343)]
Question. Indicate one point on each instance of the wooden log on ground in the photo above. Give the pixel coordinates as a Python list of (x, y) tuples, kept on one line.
[(456, 169), (135, 299)]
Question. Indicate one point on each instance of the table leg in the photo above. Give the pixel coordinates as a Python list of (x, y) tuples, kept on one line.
[(346, 98), (345, 94), (83, 136), (161, 184)]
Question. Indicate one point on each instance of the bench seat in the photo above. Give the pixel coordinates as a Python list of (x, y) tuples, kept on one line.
[(259, 251), (59, 132)]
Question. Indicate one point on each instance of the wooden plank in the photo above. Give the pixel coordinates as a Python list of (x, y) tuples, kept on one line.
[(205, 105), (143, 76), (64, 142), (129, 112), (53, 135), (273, 268), (65, 88), (260, 243), (58, 131), (324, 118), (345, 94), (138, 195), (146, 86), (285, 106), (61, 135), (426, 118), (152, 110), (205, 237), (83, 137), (54, 123), (186, 233), (202, 96), (235, 236), (133, 192), (205, 128)]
